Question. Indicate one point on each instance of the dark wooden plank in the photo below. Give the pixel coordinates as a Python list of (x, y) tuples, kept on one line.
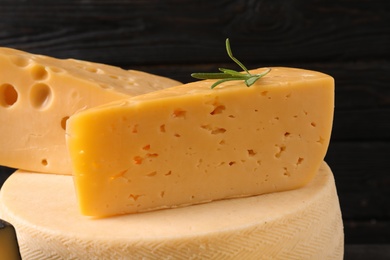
[(362, 125), (367, 232), (156, 32), (367, 251), (4, 173), (362, 178)]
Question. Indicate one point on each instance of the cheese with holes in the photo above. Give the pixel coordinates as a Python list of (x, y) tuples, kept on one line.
[(300, 224), (38, 94), (191, 144), (9, 247)]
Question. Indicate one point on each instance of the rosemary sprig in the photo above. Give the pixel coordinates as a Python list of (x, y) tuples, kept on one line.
[(230, 75)]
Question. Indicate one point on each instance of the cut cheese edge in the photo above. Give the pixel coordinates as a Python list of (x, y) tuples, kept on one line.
[(299, 224), (190, 144), (9, 247), (39, 93)]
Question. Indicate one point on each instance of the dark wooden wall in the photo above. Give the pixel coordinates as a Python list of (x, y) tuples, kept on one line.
[(349, 39)]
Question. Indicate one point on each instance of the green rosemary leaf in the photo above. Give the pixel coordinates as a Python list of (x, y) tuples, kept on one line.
[(229, 51), (230, 75), (221, 81), (210, 75), (233, 72), (263, 73), (250, 81)]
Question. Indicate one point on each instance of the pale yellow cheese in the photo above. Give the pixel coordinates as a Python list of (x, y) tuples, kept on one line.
[(299, 224), (190, 144), (9, 247), (38, 94)]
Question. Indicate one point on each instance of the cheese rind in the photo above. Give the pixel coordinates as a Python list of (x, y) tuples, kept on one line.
[(9, 247), (39, 93), (300, 224), (190, 144)]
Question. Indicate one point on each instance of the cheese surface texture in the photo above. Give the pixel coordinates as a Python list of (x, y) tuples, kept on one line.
[(39, 93), (9, 248), (300, 224), (191, 144)]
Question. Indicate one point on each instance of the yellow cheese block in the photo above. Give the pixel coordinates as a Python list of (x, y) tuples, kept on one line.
[(190, 144), (9, 248), (38, 94), (299, 224)]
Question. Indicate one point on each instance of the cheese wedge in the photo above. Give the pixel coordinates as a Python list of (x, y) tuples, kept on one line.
[(191, 144), (38, 94), (9, 247), (300, 224)]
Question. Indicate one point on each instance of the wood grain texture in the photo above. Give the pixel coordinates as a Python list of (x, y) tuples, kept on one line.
[(349, 40), (364, 252), (362, 178), (159, 32)]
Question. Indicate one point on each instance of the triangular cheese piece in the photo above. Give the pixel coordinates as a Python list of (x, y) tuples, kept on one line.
[(191, 144)]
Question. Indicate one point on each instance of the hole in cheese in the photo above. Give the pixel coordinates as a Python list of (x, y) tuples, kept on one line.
[(40, 96), (20, 61), (105, 86), (134, 197), (135, 129), (131, 82), (321, 140), (91, 69), (151, 174), (8, 95), (179, 113), (213, 130), (300, 160), (63, 122), (218, 109), (281, 148), (44, 162), (152, 155), (251, 153), (138, 159), (218, 130), (286, 172), (38, 72), (56, 70), (146, 147)]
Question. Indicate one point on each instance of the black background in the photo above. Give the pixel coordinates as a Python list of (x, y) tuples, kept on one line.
[(348, 39)]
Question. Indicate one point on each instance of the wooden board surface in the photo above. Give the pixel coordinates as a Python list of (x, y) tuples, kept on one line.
[(348, 39)]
